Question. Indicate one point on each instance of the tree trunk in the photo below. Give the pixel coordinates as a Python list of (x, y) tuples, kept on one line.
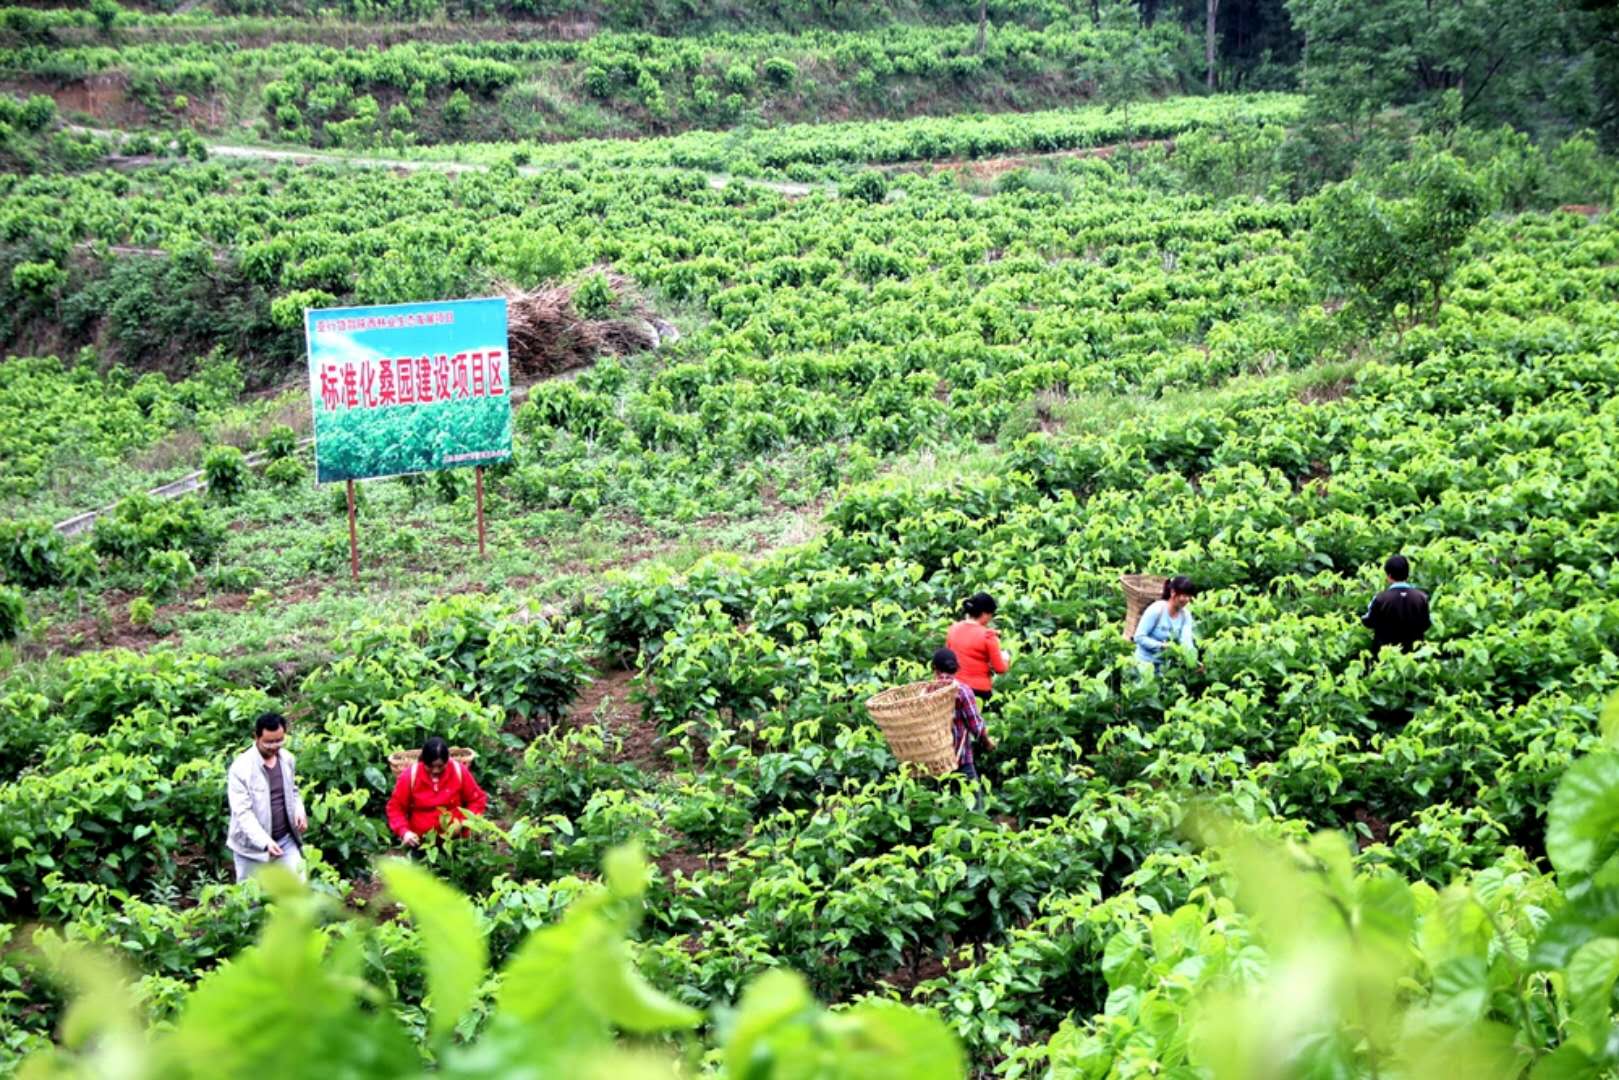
[(1208, 39), (983, 17)]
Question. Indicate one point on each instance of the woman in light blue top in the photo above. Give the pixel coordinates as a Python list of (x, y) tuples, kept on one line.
[(1166, 621)]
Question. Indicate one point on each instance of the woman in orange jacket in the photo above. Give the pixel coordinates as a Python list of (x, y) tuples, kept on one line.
[(433, 792), (977, 647)]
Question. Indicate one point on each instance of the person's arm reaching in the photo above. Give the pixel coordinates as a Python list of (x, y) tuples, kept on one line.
[(992, 645), (472, 796), (300, 819), (398, 804), (1369, 620)]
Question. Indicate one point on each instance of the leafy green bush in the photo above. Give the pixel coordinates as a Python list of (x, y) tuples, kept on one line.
[(226, 472), (287, 472), (458, 109), (141, 524), (448, 484), (142, 611), (780, 72), (32, 553), (279, 442), (79, 565), (741, 77), (37, 113), (598, 82), (869, 186), (13, 614), (114, 818), (37, 278), (167, 572), (594, 297)]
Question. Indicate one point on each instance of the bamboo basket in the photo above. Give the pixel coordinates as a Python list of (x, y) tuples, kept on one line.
[(1140, 591), (916, 720), (400, 760)]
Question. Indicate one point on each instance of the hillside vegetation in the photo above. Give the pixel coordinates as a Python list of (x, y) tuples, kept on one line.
[(1262, 339)]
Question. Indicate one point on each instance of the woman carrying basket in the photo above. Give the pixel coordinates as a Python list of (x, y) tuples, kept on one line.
[(977, 648), (1166, 621), (431, 792)]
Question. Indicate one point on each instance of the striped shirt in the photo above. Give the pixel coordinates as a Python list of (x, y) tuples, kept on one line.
[(969, 723)]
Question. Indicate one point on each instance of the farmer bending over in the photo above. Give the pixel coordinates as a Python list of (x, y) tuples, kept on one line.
[(266, 812), (1398, 615), (1165, 621), (968, 724), (432, 791)]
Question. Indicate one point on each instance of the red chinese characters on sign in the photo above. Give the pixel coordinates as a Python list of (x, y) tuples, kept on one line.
[(329, 395), (385, 384), (441, 377), (461, 390), (410, 380), (424, 381)]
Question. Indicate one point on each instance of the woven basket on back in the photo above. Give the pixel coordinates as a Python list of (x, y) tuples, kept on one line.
[(916, 719), (1140, 590), (401, 760)]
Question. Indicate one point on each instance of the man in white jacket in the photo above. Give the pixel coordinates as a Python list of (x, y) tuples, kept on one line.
[(266, 812)]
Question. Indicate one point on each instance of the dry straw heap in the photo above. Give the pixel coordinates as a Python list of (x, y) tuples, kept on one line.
[(547, 335)]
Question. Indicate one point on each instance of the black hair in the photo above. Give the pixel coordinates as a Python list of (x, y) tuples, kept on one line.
[(1182, 584), (435, 750), (269, 721), (945, 662), (1398, 568), (979, 604)]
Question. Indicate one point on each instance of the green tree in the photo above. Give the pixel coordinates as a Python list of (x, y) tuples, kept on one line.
[(1385, 254), (1137, 60), (1597, 22), (1366, 55), (106, 14), (457, 109)]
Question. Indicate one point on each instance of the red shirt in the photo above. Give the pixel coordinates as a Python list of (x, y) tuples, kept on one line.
[(978, 651), (419, 804)]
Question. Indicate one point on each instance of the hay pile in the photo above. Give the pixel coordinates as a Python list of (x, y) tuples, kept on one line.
[(547, 335)]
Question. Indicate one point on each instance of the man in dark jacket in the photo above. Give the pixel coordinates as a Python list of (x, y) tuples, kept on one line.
[(1398, 615)]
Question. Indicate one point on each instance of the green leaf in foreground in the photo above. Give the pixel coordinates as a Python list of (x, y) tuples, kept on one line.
[(1582, 823), (457, 957)]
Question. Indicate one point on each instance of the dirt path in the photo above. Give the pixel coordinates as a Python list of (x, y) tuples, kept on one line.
[(717, 181), (990, 168), (606, 701), (976, 168)]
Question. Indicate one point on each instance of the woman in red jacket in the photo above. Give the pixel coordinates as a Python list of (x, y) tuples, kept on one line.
[(977, 647), (431, 792)]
